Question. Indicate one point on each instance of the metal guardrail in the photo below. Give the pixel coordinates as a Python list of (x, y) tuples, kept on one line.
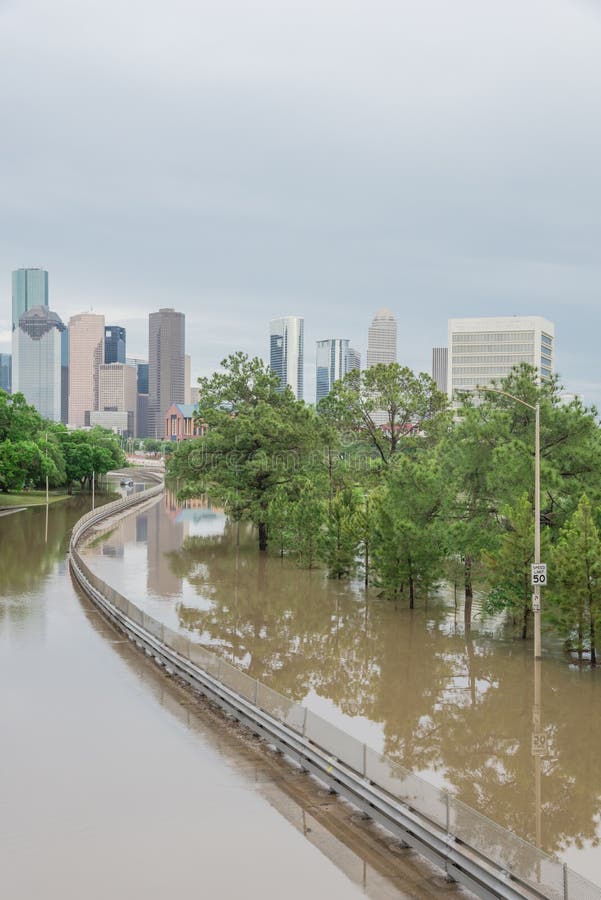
[(472, 849)]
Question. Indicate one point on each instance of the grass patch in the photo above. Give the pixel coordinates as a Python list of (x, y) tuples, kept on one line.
[(31, 498)]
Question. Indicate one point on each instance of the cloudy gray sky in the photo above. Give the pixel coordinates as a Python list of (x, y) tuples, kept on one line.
[(242, 160)]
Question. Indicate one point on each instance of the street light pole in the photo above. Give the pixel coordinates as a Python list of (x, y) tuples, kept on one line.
[(536, 596), (536, 592)]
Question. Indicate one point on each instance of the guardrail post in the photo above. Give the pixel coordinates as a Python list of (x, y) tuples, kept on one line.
[(565, 881), (305, 723), (365, 760)]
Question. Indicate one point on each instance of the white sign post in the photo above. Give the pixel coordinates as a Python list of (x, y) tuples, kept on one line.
[(539, 574)]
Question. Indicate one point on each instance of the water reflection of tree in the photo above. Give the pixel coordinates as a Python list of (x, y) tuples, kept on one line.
[(26, 555), (456, 704)]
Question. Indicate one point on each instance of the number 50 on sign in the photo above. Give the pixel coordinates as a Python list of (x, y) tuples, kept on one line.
[(539, 574)]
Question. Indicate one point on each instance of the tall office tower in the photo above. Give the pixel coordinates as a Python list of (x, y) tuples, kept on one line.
[(5, 372), (331, 364), (287, 351), (142, 407), (166, 366), (38, 340), (65, 376), (29, 289), (114, 344), (117, 398), (485, 348), (381, 340), (86, 354), (187, 378), (354, 359), (440, 361)]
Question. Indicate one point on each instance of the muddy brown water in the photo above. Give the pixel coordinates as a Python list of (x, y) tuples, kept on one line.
[(115, 782), (456, 708)]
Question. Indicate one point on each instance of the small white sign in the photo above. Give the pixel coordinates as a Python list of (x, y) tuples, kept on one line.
[(539, 574), (539, 744)]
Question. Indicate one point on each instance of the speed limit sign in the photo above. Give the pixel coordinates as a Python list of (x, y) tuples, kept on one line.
[(539, 574)]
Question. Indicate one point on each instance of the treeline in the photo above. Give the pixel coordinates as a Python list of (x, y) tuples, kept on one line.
[(385, 481), (32, 448)]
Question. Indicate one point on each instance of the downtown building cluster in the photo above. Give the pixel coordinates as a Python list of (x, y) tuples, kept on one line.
[(80, 374)]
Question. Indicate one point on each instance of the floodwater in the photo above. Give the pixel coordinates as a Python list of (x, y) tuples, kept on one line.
[(457, 708), (117, 783)]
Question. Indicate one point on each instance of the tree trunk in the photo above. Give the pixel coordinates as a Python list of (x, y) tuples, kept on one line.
[(262, 536), (469, 592), (366, 564), (411, 593), (592, 638), (525, 622)]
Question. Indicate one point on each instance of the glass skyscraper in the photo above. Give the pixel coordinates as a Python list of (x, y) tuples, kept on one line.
[(332, 361), (30, 288), (287, 351), (39, 343), (114, 344)]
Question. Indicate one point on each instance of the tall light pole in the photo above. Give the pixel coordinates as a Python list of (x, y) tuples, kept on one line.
[(536, 592), (539, 742)]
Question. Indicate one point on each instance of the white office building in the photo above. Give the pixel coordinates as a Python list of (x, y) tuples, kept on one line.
[(483, 349), (287, 351)]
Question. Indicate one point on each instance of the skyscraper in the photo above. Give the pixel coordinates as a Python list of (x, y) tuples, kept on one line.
[(6, 372), (142, 387), (354, 359), (29, 289), (65, 376), (332, 362), (481, 349), (287, 351), (38, 340), (114, 344), (440, 361), (381, 340), (86, 354), (166, 366)]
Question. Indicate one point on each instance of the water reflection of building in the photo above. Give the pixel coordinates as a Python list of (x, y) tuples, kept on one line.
[(164, 535)]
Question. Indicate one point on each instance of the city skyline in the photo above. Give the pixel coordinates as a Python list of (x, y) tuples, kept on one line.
[(412, 171)]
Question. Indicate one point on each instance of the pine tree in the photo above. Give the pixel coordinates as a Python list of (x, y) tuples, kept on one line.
[(575, 598)]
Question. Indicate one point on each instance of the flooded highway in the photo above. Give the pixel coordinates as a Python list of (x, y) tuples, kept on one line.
[(115, 782), (456, 708)]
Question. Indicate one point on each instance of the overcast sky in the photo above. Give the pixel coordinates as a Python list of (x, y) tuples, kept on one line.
[(242, 160)]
